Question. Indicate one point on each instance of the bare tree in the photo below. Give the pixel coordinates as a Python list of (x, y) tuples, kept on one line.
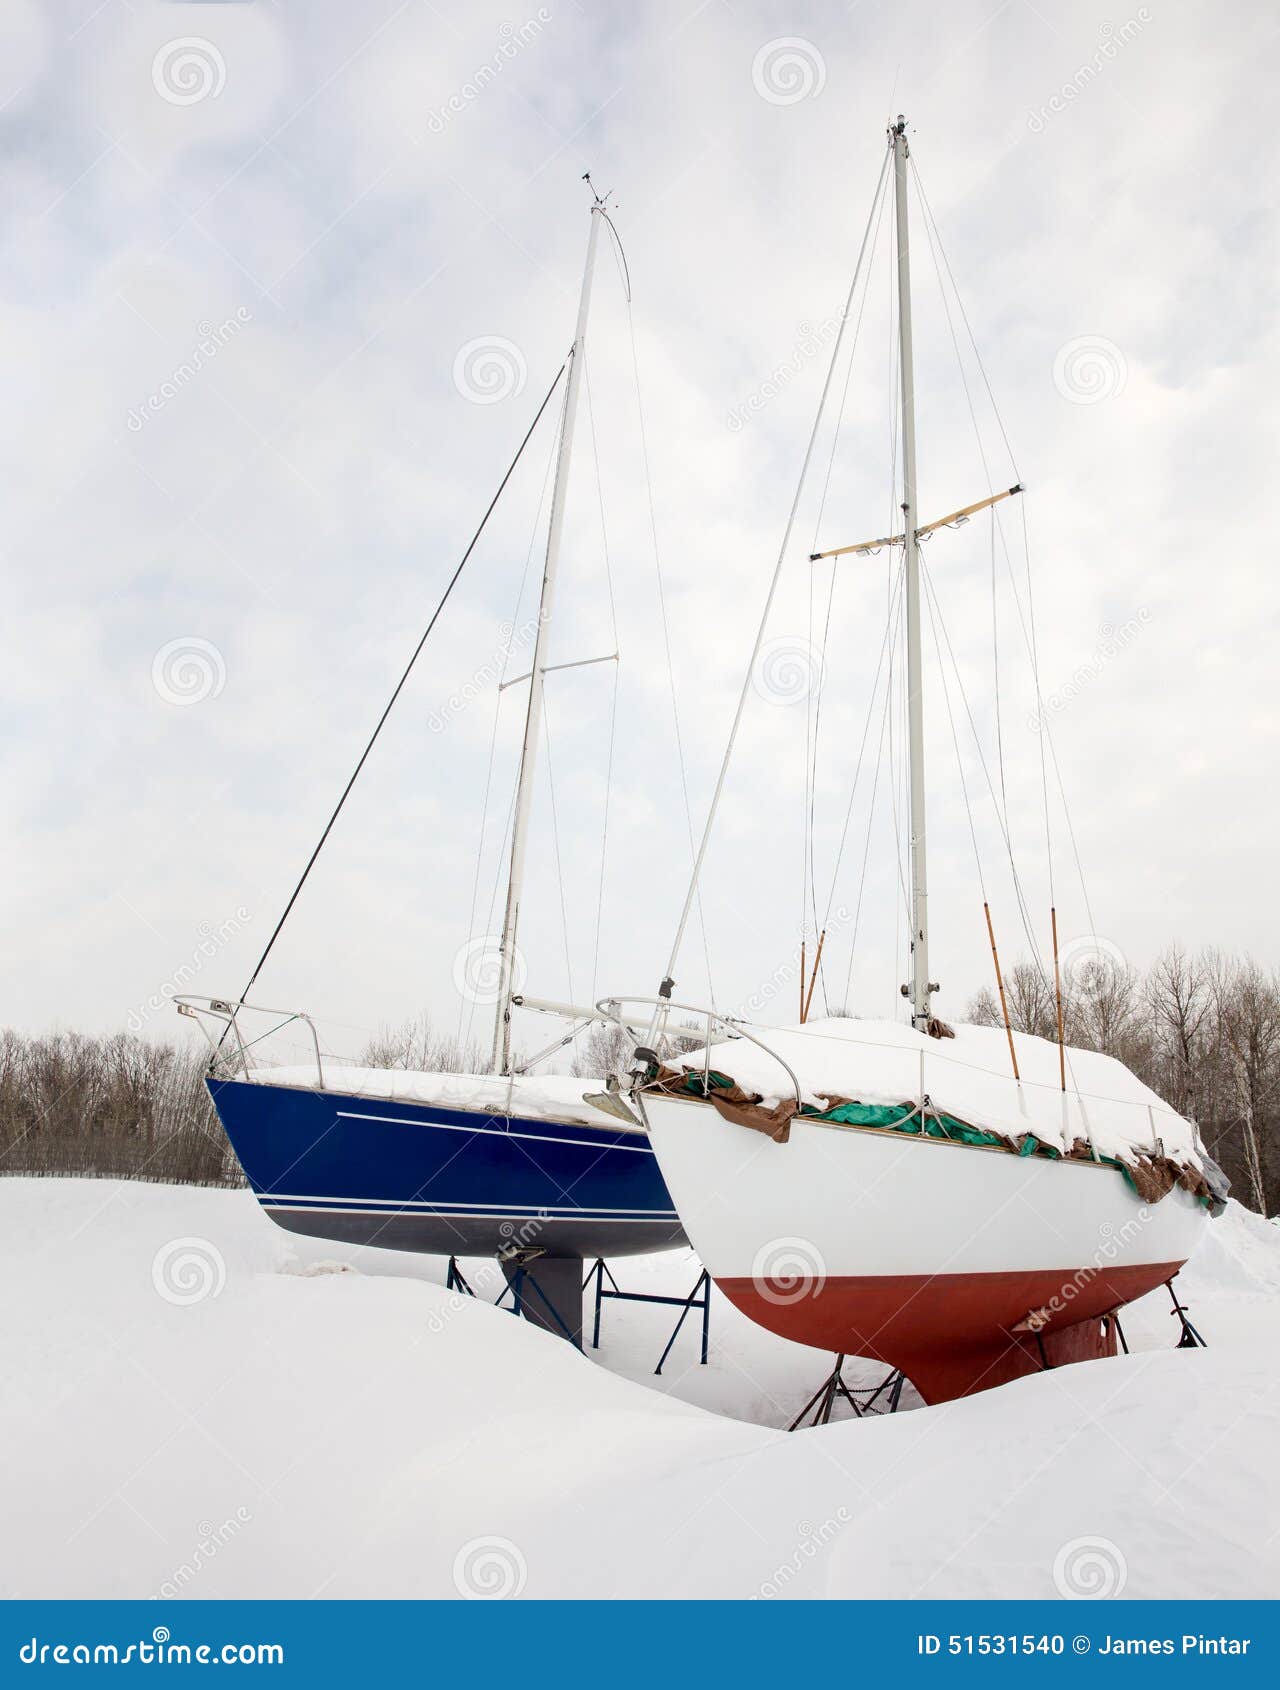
[(1180, 999), (117, 1107), (1103, 1004), (1247, 1004), (1032, 1008), (416, 1046), (607, 1048)]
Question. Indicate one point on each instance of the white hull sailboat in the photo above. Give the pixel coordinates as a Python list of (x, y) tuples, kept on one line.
[(962, 1264), (966, 1204)]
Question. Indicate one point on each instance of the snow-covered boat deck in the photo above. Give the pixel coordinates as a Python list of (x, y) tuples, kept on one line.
[(969, 1076)]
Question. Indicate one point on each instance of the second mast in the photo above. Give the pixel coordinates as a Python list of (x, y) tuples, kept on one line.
[(919, 985), (533, 718)]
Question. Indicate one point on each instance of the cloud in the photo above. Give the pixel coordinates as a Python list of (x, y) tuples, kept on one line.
[(300, 496)]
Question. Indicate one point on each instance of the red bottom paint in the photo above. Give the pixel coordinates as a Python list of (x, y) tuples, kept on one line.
[(952, 1333)]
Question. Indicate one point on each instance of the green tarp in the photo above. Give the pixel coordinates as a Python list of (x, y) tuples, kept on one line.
[(905, 1118)]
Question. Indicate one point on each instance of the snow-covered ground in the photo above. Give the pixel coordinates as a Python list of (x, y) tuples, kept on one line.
[(193, 1403)]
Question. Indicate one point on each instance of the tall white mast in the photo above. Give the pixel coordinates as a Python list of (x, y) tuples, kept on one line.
[(919, 985), (533, 719)]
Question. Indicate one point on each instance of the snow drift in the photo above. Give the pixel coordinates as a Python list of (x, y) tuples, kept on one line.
[(192, 1405)]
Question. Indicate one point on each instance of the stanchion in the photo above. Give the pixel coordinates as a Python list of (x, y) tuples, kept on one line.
[(1189, 1339)]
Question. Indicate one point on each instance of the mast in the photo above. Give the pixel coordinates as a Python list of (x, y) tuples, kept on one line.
[(918, 988), (533, 719)]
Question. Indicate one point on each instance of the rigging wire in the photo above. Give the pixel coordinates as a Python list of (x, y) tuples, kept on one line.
[(813, 709), (666, 631), (885, 650), (692, 892), (399, 688), (964, 317), (955, 740), (467, 1006), (890, 623), (555, 840), (866, 849), (1028, 624), (938, 255), (973, 728)]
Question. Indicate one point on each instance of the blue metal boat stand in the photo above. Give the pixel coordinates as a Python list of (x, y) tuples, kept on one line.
[(698, 1298), (536, 1292)]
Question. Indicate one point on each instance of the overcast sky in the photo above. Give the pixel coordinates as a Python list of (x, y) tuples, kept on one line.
[(281, 288)]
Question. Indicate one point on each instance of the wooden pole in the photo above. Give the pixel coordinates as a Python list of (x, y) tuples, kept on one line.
[(1004, 1007), (817, 958), (1057, 989)]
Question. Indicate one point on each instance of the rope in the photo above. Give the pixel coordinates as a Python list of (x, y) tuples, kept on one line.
[(399, 688)]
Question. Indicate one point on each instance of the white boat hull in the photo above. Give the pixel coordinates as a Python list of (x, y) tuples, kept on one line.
[(962, 1266)]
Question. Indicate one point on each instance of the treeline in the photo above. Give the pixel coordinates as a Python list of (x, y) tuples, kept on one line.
[(1203, 1031), (116, 1107)]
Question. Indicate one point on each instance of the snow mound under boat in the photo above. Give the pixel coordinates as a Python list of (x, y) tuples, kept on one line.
[(968, 1077)]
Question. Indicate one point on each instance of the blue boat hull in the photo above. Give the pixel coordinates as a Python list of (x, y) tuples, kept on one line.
[(412, 1176)]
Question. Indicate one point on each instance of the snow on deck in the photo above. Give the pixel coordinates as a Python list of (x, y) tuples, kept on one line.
[(197, 1404), (970, 1077), (538, 1097)]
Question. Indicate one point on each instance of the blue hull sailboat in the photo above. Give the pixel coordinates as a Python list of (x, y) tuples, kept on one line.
[(408, 1175), (541, 1171)]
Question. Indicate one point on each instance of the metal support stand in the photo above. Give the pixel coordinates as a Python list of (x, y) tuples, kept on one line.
[(455, 1279), (823, 1399), (698, 1298), (1189, 1339)]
